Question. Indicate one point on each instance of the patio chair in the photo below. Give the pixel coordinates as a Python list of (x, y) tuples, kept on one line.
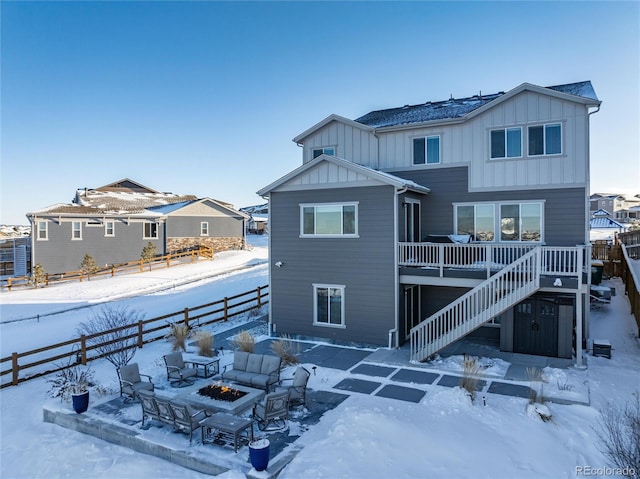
[(131, 381), (186, 418), (273, 410), (149, 406), (298, 387), (178, 373), (165, 412)]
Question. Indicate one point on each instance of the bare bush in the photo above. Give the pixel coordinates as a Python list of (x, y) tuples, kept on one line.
[(205, 343), (179, 335), (536, 388), (119, 344), (244, 341), (287, 349), (469, 379), (73, 379), (619, 434)]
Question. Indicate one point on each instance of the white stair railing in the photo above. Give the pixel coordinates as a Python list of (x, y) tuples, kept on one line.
[(505, 289)]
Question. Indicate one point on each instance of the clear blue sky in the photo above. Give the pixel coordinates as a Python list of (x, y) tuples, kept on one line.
[(204, 98)]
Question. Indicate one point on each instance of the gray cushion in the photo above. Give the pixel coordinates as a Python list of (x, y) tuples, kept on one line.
[(244, 378), (240, 359), (270, 364), (254, 364), (261, 380)]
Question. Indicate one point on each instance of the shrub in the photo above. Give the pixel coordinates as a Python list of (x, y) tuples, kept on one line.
[(73, 379), (244, 341), (179, 335), (619, 434), (287, 350), (38, 275), (119, 346), (205, 343), (469, 379), (149, 253), (88, 266)]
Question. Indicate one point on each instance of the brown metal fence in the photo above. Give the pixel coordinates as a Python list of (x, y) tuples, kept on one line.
[(42, 361)]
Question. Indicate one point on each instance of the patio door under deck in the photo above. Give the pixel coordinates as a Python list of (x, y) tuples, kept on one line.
[(412, 313)]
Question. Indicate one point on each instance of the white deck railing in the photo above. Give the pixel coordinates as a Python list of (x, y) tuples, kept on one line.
[(559, 261), (506, 288)]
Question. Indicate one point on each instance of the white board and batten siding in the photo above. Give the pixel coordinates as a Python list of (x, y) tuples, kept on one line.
[(357, 145)]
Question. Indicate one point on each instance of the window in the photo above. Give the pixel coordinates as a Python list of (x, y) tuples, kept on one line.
[(521, 222), (150, 230), (328, 305), (204, 229), (506, 143), (43, 233), (327, 151), (76, 230), (331, 219), (412, 220), (545, 139), (514, 221), (426, 150), (477, 221), (109, 228)]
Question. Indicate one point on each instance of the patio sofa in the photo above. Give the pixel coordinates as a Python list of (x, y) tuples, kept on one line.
[(254, 370)]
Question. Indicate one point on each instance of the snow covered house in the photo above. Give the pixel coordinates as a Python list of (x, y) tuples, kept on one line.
[(353, 250), (113, 223)]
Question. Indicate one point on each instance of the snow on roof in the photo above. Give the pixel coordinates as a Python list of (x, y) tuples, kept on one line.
[(601, 223), (454, 108)]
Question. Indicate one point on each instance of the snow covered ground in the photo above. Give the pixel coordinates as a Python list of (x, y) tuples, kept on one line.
[(444, 436)]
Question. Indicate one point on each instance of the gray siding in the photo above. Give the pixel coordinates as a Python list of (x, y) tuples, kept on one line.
[(189, 226), (564, 209), (60, 253), (364, 265)]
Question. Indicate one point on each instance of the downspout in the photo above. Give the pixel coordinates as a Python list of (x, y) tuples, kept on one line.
[(396, 300), (582, 309), (270, 329)]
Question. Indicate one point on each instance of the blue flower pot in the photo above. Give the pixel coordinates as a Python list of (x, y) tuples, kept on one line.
[(259, 454), (80, 402)]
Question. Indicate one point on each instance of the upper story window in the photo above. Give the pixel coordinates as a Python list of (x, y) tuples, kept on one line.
[(76, 230), (43, 232), (426, 150), (330, 150), (506, 143), (328, 305), (204, 228), (330, 219), (150, 230), (109, 228), (501, 222), (545, 139)]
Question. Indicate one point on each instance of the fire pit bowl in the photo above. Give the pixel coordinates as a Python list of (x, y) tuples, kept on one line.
[(221, 393)]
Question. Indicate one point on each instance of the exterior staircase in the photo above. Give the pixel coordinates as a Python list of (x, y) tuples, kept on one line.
[(505, 289)]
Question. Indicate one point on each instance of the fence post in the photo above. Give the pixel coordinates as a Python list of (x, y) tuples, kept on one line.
[(226, 307), (140, 335), (9, 283), (258, 302), (186, 317), (83, 349), (14, 368), (168, 260), (141, 264), (46, 279), (113, 271)]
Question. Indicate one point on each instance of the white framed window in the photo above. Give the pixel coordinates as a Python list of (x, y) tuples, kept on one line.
[(506, 143), (150, 230), (327, 150), (329, 220), (76, 230), (109, 228), (328, 305), (43, 230), (412, 232), (426, 150), (501, 222), (477, 221), (204, 228), (545, 139)]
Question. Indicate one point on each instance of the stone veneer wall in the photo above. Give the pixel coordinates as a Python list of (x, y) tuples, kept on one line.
[(217, 244)]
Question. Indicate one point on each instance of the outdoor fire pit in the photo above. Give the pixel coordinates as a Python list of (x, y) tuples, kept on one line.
[(221, 393)]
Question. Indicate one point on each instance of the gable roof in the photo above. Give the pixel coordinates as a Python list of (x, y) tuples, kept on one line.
[(602, 223), (462, 108), (125, 185), (173, 207), (364, 171), (326, 121)]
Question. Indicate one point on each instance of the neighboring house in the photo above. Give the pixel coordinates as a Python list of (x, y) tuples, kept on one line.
[(602, 227), (115, 222), (623, 208), (258, 222), (15, 251), (356, 232)]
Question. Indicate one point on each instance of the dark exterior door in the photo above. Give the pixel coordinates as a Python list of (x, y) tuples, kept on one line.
[(536, 327)]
